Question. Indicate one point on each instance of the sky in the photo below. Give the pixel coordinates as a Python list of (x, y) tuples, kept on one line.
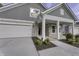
[(73, 6), (49, 5)]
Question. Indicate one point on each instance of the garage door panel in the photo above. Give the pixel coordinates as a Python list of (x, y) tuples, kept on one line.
[(15, 31)]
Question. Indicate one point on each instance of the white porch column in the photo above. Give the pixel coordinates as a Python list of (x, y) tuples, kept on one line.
[(43, 28), (73, 30), (58, 34)]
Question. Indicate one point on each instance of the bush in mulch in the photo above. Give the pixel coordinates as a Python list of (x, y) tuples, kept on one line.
[(40, 44), (77, 38), (72, 41), (73, 44)]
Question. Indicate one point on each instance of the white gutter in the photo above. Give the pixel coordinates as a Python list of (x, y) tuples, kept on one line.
[(10, 6), (15, 22), (52, 9)]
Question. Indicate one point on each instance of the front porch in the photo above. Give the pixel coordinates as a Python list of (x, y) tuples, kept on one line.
[(53, 27)]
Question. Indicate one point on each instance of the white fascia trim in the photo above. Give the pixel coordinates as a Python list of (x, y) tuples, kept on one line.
[(52, 9), (56, 18), (11, 23), (10, 6), (14, 21), (71, 11)]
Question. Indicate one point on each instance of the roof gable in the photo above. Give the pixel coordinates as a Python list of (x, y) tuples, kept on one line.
[(59, 10), (63, 6)]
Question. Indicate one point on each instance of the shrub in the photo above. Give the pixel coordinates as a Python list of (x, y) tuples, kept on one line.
[(46, 41), (77, 38), (69, 36), (38, 41), (70, 40), (36, 38)]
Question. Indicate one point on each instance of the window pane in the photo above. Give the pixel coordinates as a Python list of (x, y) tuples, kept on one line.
[(53, 29)]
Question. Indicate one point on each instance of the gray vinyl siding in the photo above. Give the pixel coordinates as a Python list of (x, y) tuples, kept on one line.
[(57, 13), (21, 12)]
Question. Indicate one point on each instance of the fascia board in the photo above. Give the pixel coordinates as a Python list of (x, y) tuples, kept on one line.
[(8, 7), (52, 9)]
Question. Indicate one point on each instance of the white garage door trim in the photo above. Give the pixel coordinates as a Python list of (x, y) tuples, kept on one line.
[(15, 22), (15, 28)]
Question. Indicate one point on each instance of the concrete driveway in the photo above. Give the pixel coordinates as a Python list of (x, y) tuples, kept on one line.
[(17, 47)]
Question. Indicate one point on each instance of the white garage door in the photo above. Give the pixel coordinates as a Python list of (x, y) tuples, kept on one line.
[(15, 29)]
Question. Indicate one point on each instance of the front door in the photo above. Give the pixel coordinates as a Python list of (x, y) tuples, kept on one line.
[(66, 29), (52, 31)]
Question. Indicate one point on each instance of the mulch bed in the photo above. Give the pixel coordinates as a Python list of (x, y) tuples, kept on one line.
[(43, 46), (76, 45)]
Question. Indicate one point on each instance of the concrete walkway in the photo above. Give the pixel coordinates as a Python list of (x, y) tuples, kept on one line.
[(56, 51), (68, 48), (62, 49), (17, 47)]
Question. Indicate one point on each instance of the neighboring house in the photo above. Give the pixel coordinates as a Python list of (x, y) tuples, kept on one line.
[(16, 21)]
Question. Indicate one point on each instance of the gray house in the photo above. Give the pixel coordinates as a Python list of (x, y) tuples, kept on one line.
[(32, 19)]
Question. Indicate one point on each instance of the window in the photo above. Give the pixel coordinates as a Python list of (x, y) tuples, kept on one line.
[(53, 29), (60, 28), (66, 29), (61, 11), (39, 29)]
